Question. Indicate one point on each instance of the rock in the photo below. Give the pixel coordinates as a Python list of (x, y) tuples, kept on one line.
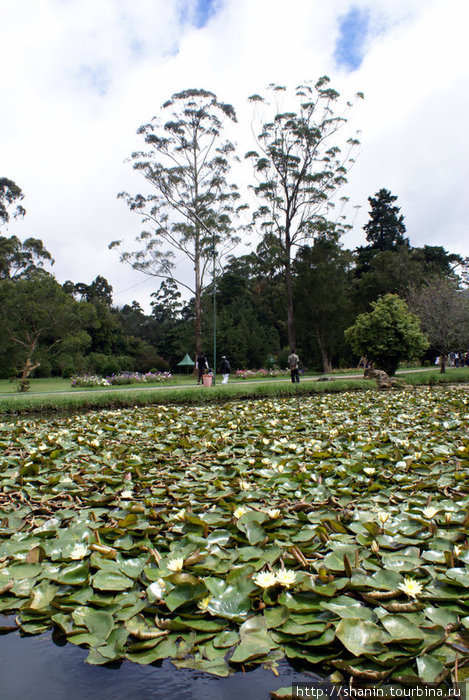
[(382, 378)]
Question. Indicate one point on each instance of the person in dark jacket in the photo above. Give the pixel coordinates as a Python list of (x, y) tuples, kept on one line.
[(202, 366), (225, 369)]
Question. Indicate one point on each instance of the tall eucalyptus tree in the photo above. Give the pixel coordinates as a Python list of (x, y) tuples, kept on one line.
[(190, 209), (299, 166)]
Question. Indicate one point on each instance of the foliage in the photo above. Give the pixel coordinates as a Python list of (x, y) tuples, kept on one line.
[(212, 539), (22, 259), (443, 310), (388, 334), (191, 207), (298, 170), (10, 194), (38, 318), (322, 288)]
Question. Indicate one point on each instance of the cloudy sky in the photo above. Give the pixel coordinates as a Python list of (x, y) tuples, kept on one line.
[(79, 77)]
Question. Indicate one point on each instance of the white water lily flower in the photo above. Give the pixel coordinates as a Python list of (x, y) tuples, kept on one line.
[(245, 485), (369, 470), (286, 577), (181, 514), (79, 551), (401, 464), (175, 564), (66, 480), (265, 579), (239, 511), (273, 513), (127, 494), (411, 587), (429, 512), (457, 550)]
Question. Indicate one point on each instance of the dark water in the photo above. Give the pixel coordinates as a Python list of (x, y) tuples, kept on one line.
[(35, 668)]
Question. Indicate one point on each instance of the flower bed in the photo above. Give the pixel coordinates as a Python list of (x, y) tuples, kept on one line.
[(122, 378), (84, 380), (137, 378), (252, 374)]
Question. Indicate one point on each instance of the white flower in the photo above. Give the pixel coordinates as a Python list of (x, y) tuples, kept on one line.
[(429, 512), (411, 587), (457, 550), (239, 511), (245, 485), (273, 513), (181, 514), (265, 579), (66, 480), (286, 577), (127, 494), (175, 564), (401, 464), (369, 470), (79, 551)]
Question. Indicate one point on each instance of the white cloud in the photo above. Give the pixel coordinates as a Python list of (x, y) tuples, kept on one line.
[(82, 76)]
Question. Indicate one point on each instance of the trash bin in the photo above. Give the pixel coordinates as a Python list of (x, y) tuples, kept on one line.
[(207, 379)]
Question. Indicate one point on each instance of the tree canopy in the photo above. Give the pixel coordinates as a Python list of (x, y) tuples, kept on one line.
[(388, 334)]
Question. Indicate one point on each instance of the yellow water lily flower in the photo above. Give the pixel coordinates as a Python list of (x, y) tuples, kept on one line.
[(411, 587), (203, 604), (286, 577), (273, 513), (175, 564), (265, 579), (239, 511), (383, 517)]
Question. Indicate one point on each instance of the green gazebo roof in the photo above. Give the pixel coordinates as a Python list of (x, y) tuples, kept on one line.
[(186, 361)]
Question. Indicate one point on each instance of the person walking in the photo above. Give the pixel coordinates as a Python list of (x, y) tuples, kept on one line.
[(225, 369), (294, 364), (202, 365)]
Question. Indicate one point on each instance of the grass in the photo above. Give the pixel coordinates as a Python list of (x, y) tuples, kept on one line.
[(56, 395)]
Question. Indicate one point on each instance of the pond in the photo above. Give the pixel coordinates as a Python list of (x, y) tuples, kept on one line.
[(46, 667)]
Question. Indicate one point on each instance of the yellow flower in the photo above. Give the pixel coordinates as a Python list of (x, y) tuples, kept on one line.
[(411, 587), (457, 550), (286, 577), (175, 564), (203, 604), (429, 512), (181, 514), (273, 513), (383, 517), (265, 579), (239, 511)]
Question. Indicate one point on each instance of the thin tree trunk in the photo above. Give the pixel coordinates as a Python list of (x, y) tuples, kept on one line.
[(289, 293), (443, 364), (326, 362)]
